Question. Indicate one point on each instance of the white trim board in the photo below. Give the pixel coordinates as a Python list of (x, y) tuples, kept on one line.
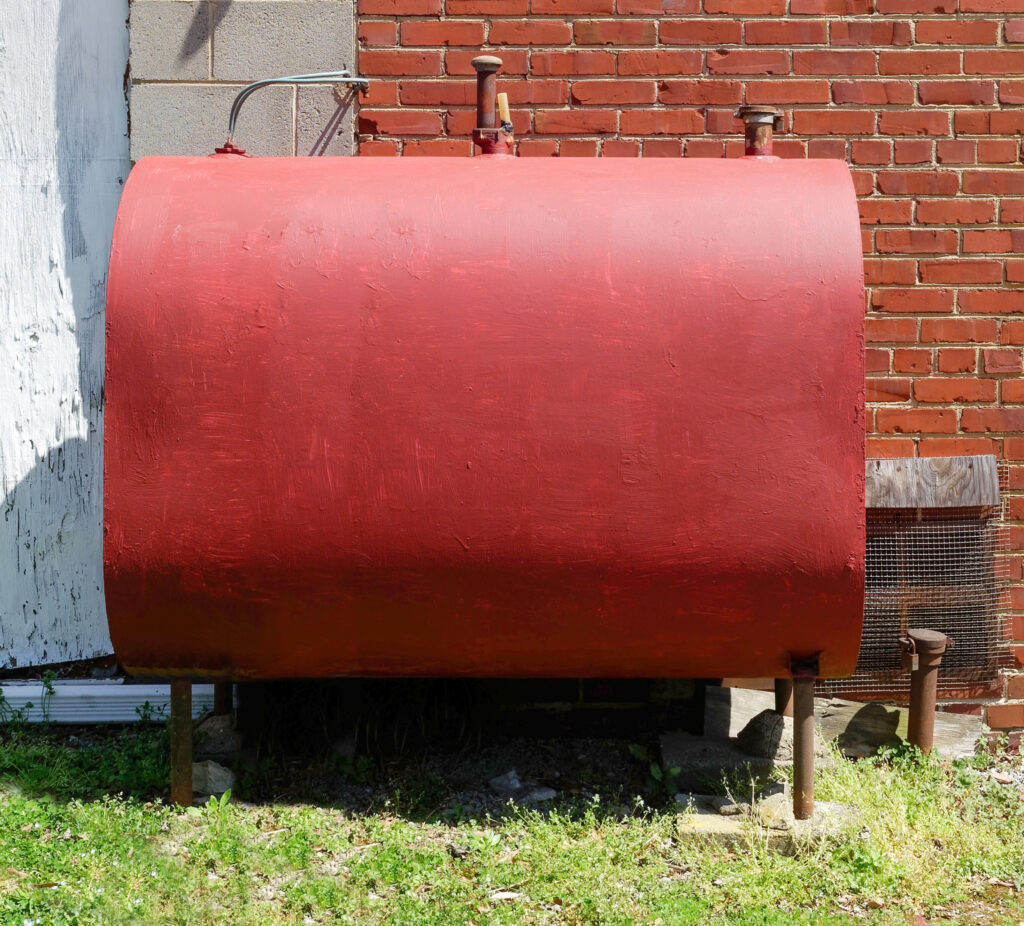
[(95, 701)]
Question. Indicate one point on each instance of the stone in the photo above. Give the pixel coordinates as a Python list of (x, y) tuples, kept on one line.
[(508, 783), (216, 738), (211, 777), (539, 795), (763, 736), (169, 40)]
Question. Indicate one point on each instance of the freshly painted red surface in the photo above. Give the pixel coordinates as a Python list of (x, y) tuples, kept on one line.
[(491, 417)]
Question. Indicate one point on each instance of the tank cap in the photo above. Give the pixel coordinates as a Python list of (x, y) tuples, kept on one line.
[(929, 641), (486, 63)]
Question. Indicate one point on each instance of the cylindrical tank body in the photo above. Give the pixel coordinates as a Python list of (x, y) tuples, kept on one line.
[(488, 417)]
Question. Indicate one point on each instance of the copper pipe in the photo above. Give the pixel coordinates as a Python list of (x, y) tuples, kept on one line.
[(929, 646), (784, 696), (180, 728), (758, 123), (803, 748)]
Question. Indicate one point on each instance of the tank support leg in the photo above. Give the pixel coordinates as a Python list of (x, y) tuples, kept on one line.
[(805, 671), (222, 698), (180, 725), (784, 696)]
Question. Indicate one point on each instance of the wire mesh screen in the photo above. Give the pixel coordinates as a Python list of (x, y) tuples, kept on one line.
[(944, 569)]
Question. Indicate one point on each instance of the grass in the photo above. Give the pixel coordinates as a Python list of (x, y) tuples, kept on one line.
[(85, 838)]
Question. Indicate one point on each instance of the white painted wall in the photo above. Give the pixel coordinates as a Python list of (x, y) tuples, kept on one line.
[(63, 159)]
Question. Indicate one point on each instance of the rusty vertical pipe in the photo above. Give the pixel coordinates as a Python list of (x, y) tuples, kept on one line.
[(929, 646), (221, 698), (758, 124), (803, 746), (486, 90), (180, 727), (784, 696)]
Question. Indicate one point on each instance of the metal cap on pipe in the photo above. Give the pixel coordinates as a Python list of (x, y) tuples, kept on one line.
[(758, 123), (929, 642)]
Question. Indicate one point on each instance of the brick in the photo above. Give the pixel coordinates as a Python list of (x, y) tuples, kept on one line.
[(699, 32), (871, 32), (833, 122), (889, 272), (722, 122), (956, 92), (257, 38), (514, 62), (994, 182), (912, 151), (657, 7), (888, 448), (876, 360), (1002, 61), (998, 150), (825, 7), (1011, 332), (834, 62), (439, 148), (748, 61), (890, 330), (378, 148), (788, 148), (1014, 271), (915, 241), (885, 211), (535, 91), (615, 32), (916, 420), (1004, 716), (972, 122), (785, 32), (920, 62), (958, 330), (632, 63), (955, 211), (400, 63), (572, 62), (992, 419), (955, 151), (1015, 687), (486, 7), (879, 389), (912, 360), (955, 389), (399, 122), (917, 182), (573, 7), (575, 121), (956, 447), (957, 360), (929, 7), (160, 111), (1011, 392), (446, 32), (834, 148), (662, 122), (780, 92), (577, 148), (665, 148), (438, 93), (399, 7), (1013, 30), (957, 32), (746, 7), (874, 92), (993, 241), (619, 148), (377, 32), (379, 93), (960, 271), (1011, 210), (529, 32), (915, 299), (537, 148), (695, 92), (873, 151), (604, 92), (169, 40), (991, 301)]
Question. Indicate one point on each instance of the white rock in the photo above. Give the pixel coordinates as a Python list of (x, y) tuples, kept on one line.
[(211, 777), (508, 783)]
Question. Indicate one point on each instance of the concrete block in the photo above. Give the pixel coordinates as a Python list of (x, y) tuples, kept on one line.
[(272, 38), (169, 39), (326, 120), (177, 119)]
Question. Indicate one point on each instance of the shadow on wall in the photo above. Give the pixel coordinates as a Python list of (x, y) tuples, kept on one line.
[(200, 27), (53, 605)]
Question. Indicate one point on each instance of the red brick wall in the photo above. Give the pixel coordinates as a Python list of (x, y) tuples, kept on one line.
[(924, 99)]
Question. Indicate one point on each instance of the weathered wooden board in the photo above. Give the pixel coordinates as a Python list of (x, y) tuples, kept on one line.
[(933, 482), (854, 724)]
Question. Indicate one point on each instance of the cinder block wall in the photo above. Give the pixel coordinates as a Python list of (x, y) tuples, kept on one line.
[(189, 58), (922, 97)]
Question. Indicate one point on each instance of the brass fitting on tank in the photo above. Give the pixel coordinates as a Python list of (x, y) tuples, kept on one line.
[(758, 123), (488, 135)]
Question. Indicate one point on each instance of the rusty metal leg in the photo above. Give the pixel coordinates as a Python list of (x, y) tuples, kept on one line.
[(929, 645), (784, 696), (222, 698), (803, 747), (180, 726)]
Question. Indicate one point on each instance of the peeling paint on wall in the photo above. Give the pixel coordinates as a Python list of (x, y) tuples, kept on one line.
[(63, 160)]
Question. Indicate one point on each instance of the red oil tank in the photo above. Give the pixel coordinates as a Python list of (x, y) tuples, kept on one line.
[(488, 417)]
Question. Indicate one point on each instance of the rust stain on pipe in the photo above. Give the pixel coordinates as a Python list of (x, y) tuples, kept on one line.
[(758, 123), (929, 647)]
